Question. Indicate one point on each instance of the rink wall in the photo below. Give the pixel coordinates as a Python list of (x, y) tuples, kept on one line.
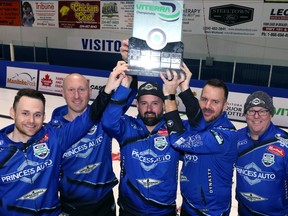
[(49, 78)]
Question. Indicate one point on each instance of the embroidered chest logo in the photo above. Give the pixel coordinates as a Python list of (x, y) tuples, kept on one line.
[(268, 159), (41, 150), (252, 197), (276, 150), (34, 194), (160, 143), (148, 182), (87, 169), (163, 132)]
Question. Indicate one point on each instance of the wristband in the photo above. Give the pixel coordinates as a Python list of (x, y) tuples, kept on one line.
[(170, 97)]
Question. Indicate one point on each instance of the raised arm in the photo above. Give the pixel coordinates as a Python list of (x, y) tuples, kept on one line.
[(121, 100), (190, 102), (114, 80)]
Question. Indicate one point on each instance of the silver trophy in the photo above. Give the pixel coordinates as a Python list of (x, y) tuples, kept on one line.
[(156, 41)]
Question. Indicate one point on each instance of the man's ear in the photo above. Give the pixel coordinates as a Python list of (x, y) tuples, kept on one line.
[(12, 113)]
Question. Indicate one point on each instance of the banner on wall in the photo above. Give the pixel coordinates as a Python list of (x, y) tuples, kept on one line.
[(79, 14), (265, 18), (117, 15), (17, 77), (40, 14), (52, 82), (277, 1), (94, 44), (275, 21), (10, 13), (214, 18)]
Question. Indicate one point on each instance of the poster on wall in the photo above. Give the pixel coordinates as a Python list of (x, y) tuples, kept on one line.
[(52, 82), (276, 1), (117, 14), (18, 78), (10, 13), (214, 18), (39, 14), (79, 14), (275, 21), (192, 15)]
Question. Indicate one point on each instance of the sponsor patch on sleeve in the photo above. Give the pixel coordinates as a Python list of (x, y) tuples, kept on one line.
[(217, 137)]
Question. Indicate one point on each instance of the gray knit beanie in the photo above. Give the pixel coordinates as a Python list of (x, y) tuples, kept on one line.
[(259, 98)]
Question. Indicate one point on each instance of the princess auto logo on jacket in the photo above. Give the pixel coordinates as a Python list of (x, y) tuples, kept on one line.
[(27, 172), (149, 159), (41, 150)]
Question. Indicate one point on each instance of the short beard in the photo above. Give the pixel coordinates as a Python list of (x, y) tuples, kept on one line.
[(151, 121)]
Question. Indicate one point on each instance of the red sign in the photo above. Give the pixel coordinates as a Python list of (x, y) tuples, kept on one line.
[(10, 13)]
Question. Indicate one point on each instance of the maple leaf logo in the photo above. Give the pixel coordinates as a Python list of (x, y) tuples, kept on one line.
[(46, 81)]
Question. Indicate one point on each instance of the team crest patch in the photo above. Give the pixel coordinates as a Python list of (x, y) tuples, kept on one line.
[(160, 143), (41, 150), (268, 159)]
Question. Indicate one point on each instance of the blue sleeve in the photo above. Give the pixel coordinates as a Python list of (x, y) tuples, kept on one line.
[(112, 120), (212, 141)]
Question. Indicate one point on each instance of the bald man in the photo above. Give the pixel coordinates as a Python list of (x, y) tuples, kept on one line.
[(87, 176)]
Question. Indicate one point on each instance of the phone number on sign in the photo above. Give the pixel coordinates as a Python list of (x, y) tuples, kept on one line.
[(273, 34)]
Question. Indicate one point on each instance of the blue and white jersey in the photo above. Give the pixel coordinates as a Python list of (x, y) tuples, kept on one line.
[(262, 173), (86, 168), (149, 164)]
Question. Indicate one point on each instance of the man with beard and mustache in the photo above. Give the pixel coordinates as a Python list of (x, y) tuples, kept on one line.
[(209, 142), (149, 164)]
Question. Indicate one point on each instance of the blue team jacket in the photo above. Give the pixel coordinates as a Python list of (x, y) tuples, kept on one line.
[(210, 156), (149, 164), (262, 173), (86, 168), (30, 171)]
